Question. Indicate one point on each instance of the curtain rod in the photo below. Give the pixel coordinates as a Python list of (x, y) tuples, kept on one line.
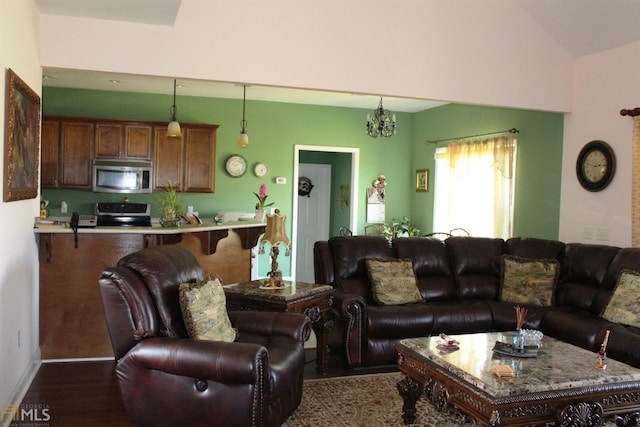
[(631, 113), (512, 130)]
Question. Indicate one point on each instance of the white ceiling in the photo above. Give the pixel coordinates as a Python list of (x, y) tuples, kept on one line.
[(581, 27)]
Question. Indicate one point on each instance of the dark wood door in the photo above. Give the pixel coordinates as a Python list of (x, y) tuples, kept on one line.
[(76, 151), (168, 164), (50, 151), (200, 155)]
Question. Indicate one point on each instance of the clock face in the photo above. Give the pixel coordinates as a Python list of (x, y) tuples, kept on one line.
[(595, 166), (236, 165), (261, 170)]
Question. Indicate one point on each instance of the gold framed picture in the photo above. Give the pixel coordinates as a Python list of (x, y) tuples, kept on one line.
[(22, 140), (422, 180)]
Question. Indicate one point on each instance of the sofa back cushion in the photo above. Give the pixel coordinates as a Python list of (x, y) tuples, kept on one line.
[(431, 265), (349, 255), (583, 271), (476, 266), (528, 247)]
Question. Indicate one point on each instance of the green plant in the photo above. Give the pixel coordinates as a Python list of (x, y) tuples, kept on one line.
[(171, 202), (400, 228)]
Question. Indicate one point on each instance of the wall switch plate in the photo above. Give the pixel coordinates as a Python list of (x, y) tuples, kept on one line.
[(281, 180)]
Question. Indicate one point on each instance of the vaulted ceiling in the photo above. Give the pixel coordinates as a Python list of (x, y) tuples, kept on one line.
[(581, 27)]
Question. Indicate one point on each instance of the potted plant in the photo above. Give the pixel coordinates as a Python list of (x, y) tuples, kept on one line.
[(262, 198), (171, 205), (401, 228)]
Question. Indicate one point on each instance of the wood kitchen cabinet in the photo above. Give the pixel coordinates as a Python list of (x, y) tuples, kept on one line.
[(188, 161), (168, 163), (127, 141), (76, 153), (70, 144), (49, 159)]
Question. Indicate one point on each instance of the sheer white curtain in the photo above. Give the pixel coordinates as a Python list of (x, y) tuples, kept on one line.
[(475, 185)]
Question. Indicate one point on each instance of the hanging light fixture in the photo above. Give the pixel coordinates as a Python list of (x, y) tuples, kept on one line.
[(243, 138), (381, 123), (173, 130)]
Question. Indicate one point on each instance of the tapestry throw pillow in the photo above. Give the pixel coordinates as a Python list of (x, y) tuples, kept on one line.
[(392, 281), (528, 280), (204, 310), (624, 305)]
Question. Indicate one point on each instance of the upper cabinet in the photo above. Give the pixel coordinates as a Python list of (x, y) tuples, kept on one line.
[(128, 141), (189, 161), (69, 146)]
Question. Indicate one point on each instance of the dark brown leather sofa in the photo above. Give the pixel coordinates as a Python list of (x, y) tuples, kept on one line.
[(167, 379), (459, 280)]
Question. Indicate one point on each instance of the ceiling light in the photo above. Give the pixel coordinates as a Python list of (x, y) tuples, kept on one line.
[(243, 138), (173, 130), (381, 123)]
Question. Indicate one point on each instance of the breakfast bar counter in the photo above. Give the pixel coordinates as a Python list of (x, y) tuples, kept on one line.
[(72, 322)]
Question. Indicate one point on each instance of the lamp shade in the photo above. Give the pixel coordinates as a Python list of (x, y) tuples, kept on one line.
[(243, 140), (275, 232), (174, 130)]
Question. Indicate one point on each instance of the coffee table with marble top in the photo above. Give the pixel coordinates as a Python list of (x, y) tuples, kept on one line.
[(560, 386)]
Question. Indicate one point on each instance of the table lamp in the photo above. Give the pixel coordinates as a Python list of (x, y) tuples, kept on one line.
[(274, 235)]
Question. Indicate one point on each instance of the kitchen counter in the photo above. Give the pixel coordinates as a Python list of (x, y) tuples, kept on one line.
[(155, 228), (72, 322)]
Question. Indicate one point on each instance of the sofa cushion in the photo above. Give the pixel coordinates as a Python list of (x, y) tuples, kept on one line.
[(528, 281), (624, 306), (204, 310), (392, 280)]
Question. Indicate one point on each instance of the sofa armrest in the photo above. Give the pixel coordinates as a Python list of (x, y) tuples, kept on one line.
[(351, 309), (269, 323), (239, 363)]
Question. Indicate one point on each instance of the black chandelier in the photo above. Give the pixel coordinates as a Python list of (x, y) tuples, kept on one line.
[(381, 123)]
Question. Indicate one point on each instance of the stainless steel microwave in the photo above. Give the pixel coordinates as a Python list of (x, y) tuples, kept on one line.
[(122, 176)]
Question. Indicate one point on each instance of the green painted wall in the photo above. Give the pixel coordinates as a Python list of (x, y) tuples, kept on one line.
[(539, 165), (275, 128)]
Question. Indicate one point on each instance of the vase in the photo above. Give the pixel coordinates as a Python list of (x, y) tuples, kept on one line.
[(260, 215), (517, 342)]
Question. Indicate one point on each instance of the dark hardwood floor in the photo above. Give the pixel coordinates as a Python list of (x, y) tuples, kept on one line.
[(80, 394)]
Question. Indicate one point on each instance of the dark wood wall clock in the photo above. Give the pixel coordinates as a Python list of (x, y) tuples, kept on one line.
[(596, 165)]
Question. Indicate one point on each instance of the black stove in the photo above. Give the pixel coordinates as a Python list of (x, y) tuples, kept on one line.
[(123, 214)]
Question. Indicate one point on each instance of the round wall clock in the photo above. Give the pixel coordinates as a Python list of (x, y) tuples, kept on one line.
[(595, 166), (235, 165), (261, 170)]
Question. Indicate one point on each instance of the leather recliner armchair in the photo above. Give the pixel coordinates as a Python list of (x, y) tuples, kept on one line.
[(167, 379)]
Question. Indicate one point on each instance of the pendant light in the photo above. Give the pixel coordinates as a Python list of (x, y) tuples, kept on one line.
[(173, 130), (243, 138), (381, 123)]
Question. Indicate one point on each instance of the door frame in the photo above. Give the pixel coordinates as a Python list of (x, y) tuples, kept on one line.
[(353, 200)]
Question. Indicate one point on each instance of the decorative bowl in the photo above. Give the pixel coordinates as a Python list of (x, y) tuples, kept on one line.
[(532, 337)]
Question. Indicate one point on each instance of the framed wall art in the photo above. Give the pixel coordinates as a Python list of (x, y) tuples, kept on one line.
[(21, 140), (422, 180)]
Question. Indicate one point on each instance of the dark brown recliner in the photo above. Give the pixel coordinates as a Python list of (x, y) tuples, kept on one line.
[(167, 379)]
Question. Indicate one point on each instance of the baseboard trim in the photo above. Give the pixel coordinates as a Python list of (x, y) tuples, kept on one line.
[(79, 359), (22, 387)]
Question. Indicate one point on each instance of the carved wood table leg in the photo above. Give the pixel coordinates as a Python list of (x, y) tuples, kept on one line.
[(322, 324), (410, 390), (628, 420)]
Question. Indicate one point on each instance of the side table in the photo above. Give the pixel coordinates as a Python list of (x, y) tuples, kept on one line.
[(310, 299)]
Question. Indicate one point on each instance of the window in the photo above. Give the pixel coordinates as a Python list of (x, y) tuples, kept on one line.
[(475, 185)]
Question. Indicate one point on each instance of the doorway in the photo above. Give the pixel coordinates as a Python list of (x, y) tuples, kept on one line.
[(302, 254)]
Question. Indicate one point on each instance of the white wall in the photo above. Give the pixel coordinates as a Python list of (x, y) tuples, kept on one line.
[(477, 52), (19, 267), (603, 84)]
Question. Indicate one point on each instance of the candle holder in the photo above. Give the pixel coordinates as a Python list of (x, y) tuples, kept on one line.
[(601, 363)]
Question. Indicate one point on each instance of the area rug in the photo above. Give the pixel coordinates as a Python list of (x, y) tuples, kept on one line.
[(366, 401), (363, 400)]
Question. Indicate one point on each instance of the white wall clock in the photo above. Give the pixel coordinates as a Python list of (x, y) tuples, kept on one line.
[(235, 165), (261, 170)]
